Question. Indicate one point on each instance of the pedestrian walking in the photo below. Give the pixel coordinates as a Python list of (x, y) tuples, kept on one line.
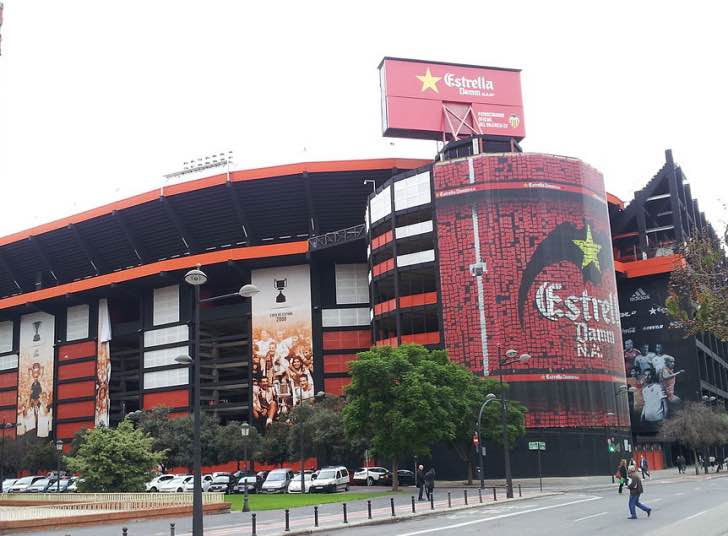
[(621, 474), (635, 490), (644, 467), (429, 482), (680, 464), (420, 480)]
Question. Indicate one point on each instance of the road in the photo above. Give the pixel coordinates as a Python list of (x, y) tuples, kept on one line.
[(680, 503), (679, 507)]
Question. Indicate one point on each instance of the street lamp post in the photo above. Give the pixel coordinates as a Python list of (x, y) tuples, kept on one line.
[(59, 449), (511, 356), (481, 466), (245, 432), (197, 278), (300, 425)]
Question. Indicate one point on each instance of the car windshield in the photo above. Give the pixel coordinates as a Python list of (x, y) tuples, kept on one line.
[(41, 482), (327, 473), (277, 476), (221, 479), (306, 476), (26, 480)]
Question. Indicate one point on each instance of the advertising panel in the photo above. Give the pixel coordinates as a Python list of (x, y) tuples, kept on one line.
[(35, 374), (526, 264), (103, 365), (282, 368), (416, 93), (658, 361)]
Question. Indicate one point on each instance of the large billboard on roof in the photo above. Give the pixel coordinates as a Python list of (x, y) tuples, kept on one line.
[(431, 100)]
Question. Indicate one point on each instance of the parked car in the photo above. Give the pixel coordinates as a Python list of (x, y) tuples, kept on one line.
[(206, 482), (277, 481), (372, 476), (41, 485), (153, 485), (22, 484), (405, 477), (224, 482), (331, 479), (252, 481), (175, 485), (8, 483), (65, 482), (295, 485), (73, 485)]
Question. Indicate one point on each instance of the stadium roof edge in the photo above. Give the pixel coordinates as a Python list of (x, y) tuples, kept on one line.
[(199, 184)]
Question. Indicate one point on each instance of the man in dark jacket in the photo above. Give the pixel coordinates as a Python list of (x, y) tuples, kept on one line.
[(429, 482), (635, 490), (420, 480)]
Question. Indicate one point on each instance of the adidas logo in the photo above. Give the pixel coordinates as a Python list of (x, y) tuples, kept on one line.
[(639, 295)]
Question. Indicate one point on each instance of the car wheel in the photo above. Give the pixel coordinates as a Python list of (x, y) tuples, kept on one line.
[(153, 490), (179, 490), (346, 488), (370, 481)]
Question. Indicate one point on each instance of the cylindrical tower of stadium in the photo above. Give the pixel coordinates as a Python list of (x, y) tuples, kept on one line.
[(525, 261)]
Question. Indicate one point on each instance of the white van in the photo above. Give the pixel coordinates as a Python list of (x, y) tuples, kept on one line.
[(331, 479)]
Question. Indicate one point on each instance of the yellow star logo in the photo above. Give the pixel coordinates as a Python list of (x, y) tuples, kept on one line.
[(429, 81), (590, 249)]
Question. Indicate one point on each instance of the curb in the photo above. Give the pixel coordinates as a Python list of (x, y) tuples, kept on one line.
[(406, 517)]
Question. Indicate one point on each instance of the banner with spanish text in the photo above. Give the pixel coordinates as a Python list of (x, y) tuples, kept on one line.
[(35, 374)]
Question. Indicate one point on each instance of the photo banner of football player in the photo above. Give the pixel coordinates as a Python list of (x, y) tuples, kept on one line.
[(35, 375), (282, 367), (658, 361), (103, 365), (526, 264)]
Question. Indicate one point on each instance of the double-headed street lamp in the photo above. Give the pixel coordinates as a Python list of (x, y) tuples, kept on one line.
[(197, 278), (245, 432), (488, 399), (511, 356)]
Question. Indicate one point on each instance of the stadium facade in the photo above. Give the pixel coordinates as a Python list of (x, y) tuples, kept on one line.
[(482, 250)]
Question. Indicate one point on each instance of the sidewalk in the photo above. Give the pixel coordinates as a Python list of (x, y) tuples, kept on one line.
[(577, 483), (331, 516)]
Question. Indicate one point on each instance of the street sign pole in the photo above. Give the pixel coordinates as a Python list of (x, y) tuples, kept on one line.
[(540, 479)]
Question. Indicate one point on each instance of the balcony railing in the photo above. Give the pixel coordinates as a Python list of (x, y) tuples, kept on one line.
[(336, 238)]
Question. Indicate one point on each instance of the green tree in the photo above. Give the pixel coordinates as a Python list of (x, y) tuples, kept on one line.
[(157, 424), (274, 443), (697, 427), (698, 290), (180, 453), (475, 389), (39, 456), (230, 444), (402, 399), (113, 460)]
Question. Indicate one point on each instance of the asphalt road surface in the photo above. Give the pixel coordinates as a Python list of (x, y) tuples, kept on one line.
[(682, 507), (679, 504)]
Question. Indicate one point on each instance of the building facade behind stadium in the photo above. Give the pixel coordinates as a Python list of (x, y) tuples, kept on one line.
[(481, 250)]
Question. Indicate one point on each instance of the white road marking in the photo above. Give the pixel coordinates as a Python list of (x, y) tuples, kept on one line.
[(656, 500), (591, 516), (695, 515), (512, 514)]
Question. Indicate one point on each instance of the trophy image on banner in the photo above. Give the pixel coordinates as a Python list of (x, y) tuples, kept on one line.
[(279, 285), (36, 326)]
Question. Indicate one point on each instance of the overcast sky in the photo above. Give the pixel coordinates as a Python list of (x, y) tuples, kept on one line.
[(98, 99)]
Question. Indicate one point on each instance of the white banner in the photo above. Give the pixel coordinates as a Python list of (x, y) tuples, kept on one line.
[(103, 365), (282, 348), (35, 374)]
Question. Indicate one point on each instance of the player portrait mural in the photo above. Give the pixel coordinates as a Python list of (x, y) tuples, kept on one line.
[(657, 359), (103, 365), (282, 360), (35, 375)]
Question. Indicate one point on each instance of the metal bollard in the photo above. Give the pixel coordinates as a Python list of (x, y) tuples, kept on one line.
[(519, 491), (432, 500), (465, 493), (495, 497), (449, 500), (315, 516), (123, 531), (413, 504), (288, 522), (253, 528), (391, 503), (369, 509), (345, 518), (171, 529), (480, 495)]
